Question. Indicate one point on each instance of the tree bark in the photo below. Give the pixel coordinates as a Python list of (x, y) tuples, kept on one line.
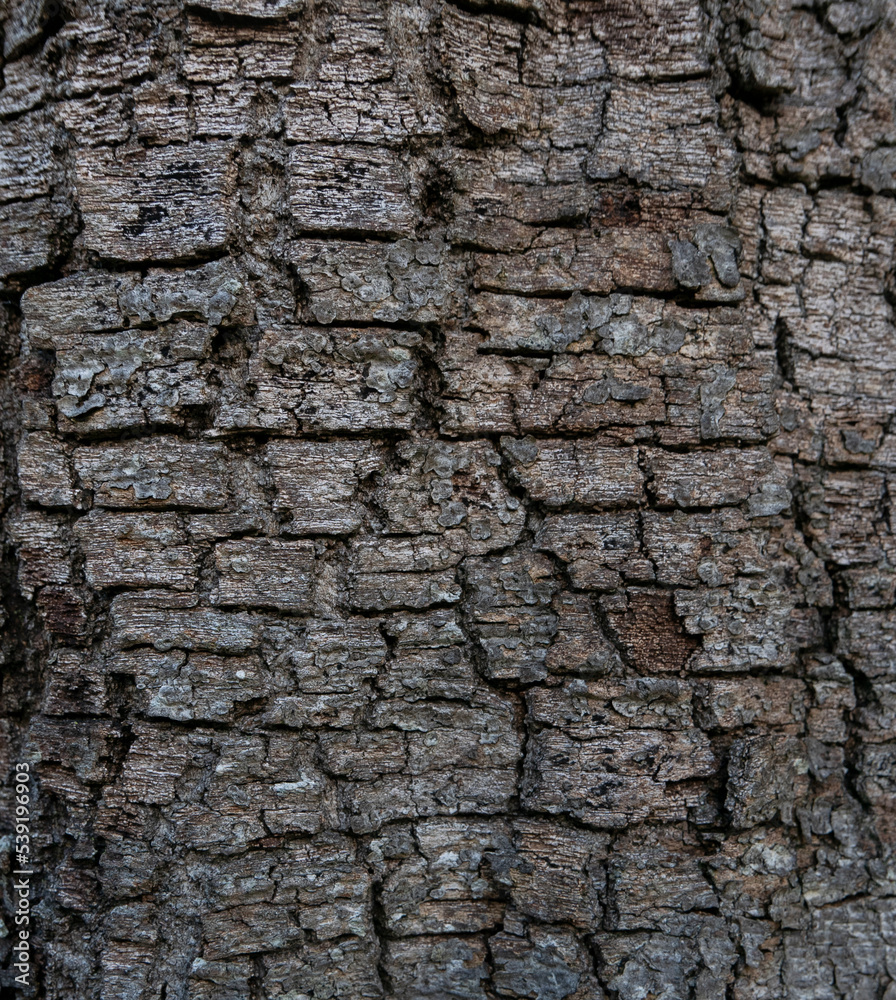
[(448, 539)]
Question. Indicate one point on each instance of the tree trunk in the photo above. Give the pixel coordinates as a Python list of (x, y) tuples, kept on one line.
[(447, 521)]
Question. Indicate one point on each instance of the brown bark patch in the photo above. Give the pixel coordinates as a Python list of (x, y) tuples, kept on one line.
[(650, 632)]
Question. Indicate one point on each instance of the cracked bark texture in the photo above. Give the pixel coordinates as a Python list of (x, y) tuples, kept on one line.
[(448, 530)]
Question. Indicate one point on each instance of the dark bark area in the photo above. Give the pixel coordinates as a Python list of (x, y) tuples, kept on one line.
[(447, 497)]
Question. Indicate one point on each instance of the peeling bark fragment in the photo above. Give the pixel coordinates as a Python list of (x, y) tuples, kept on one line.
[(156, 473), (144, 551), (163, 204), (377, 186), (560, 473), (259, 571), (300, 469), (611, 783), (676, 145)]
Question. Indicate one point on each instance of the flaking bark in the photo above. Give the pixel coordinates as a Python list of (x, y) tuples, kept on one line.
[(447, 496)]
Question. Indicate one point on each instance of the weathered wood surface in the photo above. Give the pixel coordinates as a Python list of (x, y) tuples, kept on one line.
[(447, 489)]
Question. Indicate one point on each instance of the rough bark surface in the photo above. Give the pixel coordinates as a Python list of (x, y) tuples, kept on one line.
[(447, 495)]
